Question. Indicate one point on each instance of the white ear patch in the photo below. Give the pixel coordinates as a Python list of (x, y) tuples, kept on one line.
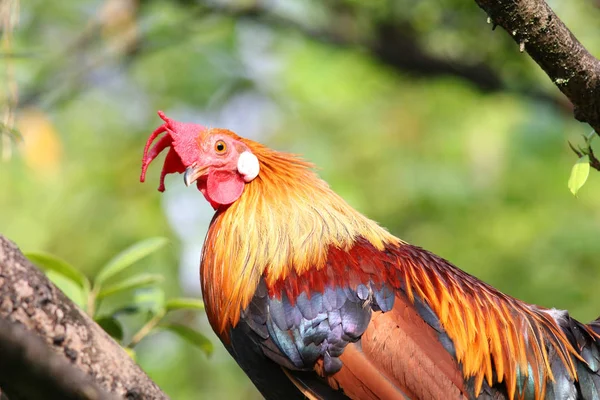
[(248, 166)]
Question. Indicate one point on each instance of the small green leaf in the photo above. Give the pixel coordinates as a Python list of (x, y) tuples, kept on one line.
[(111, 326), (192, 336), (152, 299), (579, 174), (134, 282), (128, 257), (71, 289), (48, 262), (131, 352), (184, 303), (125, 310)]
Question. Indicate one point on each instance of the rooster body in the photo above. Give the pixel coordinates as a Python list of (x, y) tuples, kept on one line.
[(316, 301)]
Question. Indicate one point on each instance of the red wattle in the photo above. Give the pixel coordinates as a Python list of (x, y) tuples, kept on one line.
[(224, 187)]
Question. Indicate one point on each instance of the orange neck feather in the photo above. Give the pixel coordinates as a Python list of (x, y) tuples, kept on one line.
[(284, 222)]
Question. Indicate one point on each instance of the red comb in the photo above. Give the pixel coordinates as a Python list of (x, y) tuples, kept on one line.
[(181, 138)]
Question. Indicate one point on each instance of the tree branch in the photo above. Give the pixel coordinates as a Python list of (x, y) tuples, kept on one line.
[(393, 45), (30, 370), (396, 46), (535, 27), (29, 299)]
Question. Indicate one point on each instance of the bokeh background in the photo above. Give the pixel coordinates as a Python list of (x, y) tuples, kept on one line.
[(417, 113)]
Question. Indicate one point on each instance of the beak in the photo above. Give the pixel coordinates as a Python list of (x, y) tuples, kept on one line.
[(192, 173)]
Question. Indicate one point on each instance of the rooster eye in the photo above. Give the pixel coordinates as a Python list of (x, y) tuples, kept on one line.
[(220, 147)]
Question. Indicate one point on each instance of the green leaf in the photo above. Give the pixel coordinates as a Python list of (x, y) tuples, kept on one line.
[(128, 257), (134, 282), (579, 174), (48, 262), (152, 299), (111, 326), (184, 303), (71, 289), (192, 336), (125, 310)]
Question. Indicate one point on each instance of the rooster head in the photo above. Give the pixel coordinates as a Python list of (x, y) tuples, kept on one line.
[(219, 161)]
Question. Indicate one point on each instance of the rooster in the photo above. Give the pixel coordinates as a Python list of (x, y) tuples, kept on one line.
[(314, 300)]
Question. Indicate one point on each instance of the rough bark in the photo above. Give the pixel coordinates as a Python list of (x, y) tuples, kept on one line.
[(537, 30), (30, 370), (29, 299)]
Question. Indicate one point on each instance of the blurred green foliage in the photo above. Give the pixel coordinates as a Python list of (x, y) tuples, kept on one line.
[(148, 304), (476, 175)]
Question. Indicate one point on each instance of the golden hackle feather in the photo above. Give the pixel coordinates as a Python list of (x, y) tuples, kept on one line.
[(287, 219), (283, 222)]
